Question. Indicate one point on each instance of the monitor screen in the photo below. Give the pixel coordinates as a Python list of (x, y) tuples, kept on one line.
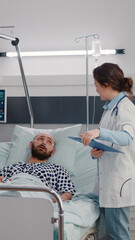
[(3, 105)]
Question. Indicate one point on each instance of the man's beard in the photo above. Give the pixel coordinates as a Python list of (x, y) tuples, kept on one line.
[(40, 154)]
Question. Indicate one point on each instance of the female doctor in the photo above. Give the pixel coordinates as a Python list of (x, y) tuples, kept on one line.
[(116, 175)]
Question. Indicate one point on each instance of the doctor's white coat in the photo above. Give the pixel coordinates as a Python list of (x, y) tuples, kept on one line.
[(117, 170)]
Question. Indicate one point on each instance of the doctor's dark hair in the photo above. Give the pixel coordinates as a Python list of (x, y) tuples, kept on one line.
[(109, 74)]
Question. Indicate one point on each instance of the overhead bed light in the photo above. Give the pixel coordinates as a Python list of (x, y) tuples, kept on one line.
[(61, 53), (15, 43)]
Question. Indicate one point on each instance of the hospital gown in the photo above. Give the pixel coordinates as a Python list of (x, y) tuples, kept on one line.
[(52, 175)]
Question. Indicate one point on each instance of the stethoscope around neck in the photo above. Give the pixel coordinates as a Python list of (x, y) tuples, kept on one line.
[(116, 107)]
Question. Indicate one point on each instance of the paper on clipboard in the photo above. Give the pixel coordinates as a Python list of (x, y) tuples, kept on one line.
[(97, 145)]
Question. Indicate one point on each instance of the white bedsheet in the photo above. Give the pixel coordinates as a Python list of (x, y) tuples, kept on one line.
[(79, 214)]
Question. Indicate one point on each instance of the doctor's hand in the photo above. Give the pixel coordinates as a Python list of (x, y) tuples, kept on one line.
[(90, 135), (96, 153)]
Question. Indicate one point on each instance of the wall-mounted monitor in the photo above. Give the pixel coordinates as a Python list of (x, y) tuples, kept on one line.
[(3, 105)]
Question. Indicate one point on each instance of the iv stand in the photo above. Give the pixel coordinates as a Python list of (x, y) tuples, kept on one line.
[(96, 36), (15, 42)]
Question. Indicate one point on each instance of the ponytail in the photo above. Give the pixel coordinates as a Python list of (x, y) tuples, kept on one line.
[(127, 85)]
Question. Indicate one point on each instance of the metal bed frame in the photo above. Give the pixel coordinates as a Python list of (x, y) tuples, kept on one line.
[(89, 235), (50, 191)]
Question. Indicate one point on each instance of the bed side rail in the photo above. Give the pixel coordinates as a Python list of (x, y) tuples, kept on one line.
[(42, 189)]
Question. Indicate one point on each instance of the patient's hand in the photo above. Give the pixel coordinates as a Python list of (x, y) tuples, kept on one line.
[(96, 153), (3, 178), (64, 197)]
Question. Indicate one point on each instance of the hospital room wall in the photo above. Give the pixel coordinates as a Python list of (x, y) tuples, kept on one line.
[(60, 106), (56, 108), (48, 25), (54, 25)]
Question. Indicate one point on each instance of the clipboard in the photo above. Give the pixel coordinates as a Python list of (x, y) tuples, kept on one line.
[(97, 145)]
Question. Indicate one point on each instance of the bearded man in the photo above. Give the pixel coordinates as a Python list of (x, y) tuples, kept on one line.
[(52, 175)]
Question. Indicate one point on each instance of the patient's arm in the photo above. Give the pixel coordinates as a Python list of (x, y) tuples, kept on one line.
[(64, 197)]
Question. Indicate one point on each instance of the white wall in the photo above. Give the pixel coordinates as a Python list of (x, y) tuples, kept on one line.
[(54, 25)]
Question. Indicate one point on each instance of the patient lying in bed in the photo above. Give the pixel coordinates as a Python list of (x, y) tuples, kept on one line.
[(82, 211), (52, 175)]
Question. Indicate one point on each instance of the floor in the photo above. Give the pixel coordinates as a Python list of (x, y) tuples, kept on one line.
[(132, 223)]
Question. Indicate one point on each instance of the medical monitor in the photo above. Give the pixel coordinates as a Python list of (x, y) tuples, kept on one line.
[(3, 105)]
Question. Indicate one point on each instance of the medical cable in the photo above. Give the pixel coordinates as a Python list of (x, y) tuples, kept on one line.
[(94, 107)]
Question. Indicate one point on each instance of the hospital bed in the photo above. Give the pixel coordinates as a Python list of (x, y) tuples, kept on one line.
[(80, 214), (20, 209)]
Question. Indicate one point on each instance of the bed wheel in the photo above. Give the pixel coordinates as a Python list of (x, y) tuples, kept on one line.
[(91, 234)]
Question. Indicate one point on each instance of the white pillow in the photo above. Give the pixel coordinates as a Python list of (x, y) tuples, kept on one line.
[(65, 149), (4, 152)]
